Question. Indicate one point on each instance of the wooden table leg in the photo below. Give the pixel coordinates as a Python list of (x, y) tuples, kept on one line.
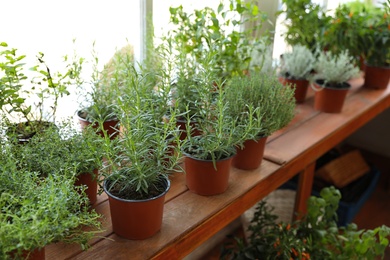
[(304, 189)]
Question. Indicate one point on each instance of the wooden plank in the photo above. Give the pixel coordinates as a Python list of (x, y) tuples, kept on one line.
[(304, 189), (317, 135), (190, 219)]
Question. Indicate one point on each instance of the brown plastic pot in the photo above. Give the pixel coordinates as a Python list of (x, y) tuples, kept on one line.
[(328, 99), (89, 180), (251, 155), (301, 86), (136, 219), (203, 179), (111, 126), (376, 77)]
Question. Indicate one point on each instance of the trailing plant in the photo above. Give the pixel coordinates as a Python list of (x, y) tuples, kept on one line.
[(260, 103), (148, 149), (305, 22), (218, 31), (335, 69), (314, 236), (37, 211), (297, 64)]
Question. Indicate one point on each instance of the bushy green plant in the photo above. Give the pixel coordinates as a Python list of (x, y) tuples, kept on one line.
[(314, 236), (207, 30), (297, 64), (335, 69), (37, 211), (305, 22), (55, 149), (261, 104)]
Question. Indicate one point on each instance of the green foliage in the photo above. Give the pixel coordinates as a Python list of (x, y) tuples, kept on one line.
[(34, 97), (335, 69), (298, 63), (38, 211), (314, 236), (207, 30), (305, 22), (55, 150), (261, 104), (376, 37), (149, 147)]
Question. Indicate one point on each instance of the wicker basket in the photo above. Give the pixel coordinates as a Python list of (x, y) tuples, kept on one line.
[(343, 170)]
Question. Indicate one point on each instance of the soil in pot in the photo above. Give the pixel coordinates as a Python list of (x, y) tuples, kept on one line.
[(330, 99), (251, 155), (300, 86), (137, 219), (376, 77), (111, 126), (203, 178)]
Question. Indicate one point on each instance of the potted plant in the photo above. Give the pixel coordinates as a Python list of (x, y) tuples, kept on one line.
[(37, 211), (99, 95), (31, 100), (330, 81), (262, 105), (314, 236), (376, 43), (47, 152), (295, 68), (139, 162)]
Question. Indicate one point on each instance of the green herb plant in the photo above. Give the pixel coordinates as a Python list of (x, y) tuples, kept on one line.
[(148, 148), (261, 104), (297, 64), (314, 236), (335, 69), (37, 211)]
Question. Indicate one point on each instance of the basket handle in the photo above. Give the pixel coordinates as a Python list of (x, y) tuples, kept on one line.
[(316, 88)]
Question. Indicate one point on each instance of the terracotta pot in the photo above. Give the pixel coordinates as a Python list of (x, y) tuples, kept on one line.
[(136, 219), (301, 86), (329, 99), (376, 77), (111, 126), (89, 180), (251, 156), (203, 179), (37, 254), (181, 123)]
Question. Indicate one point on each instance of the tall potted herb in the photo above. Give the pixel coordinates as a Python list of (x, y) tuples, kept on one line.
[(262, 105), (140, 161), (330, 82), (295, 68)]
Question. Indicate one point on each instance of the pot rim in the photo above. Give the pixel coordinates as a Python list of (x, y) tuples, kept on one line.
[(203, 160), (166, 181), (322, 86), (374, 66)]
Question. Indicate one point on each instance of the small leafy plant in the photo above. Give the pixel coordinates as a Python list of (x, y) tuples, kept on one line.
[(297, 64), (314, 236), (335, 69)]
